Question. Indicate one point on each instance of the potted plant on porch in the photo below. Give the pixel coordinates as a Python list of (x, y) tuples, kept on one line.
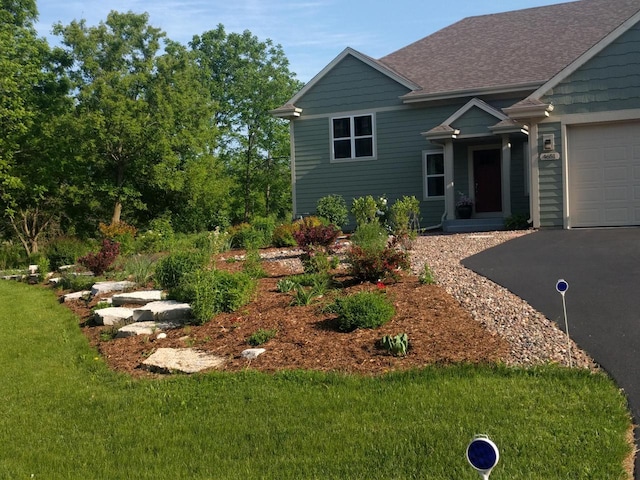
[(464, 206)]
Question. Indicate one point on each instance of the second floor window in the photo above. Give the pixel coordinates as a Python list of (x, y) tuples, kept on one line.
[(352, 137)]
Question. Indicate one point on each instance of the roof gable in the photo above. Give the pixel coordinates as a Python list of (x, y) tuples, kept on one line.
[(584, 58), (512, 51), (375, 64)]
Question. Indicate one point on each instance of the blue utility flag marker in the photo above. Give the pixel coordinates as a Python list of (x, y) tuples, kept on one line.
[(483, 455), (562, 286)]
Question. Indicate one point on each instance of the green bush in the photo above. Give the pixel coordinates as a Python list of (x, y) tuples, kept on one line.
[(365, 210), (334, 209), (252, 265), (426, 276), (370, 236), (213, 242), (65, 251), (264, 227), (405, 216), (214, 291), (363, 310), (261, 336), (12, 255), (76, 283), (283, 236), (170, 270), (517, 221), (138, 268), (158, 237)]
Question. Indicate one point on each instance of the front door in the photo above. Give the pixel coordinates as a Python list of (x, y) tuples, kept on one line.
[(487, 179)]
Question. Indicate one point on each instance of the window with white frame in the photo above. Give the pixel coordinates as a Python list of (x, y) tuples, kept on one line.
[(433, 167), (352, 137)]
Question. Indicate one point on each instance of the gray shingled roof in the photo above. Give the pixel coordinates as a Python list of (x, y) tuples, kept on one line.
[(508, 49)]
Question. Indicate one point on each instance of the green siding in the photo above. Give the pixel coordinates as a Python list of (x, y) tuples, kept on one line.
[(351, 85), (475, 121), (609, 81), (550, 178), (397, 170)]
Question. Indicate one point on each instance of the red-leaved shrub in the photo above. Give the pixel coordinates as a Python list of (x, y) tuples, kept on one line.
[(99, 262), (375, 265)]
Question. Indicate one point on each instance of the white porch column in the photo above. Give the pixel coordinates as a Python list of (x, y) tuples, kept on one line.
[(534, 187), (506, 176), (449, 187)]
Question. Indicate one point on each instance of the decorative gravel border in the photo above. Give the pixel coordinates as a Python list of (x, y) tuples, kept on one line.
[(534, 339)]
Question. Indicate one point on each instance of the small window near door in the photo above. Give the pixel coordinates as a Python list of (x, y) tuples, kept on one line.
[(433, 167), (352, 138)]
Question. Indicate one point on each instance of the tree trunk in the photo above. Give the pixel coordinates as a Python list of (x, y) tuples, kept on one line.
[(117, 210)]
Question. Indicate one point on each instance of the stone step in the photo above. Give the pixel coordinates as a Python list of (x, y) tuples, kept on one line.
[(145, 328), (113, 316), (164, 311), (107, 287), (142, 297)]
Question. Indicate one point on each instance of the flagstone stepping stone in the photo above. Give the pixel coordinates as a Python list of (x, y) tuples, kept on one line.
[(185, 360), (164, 310), (113, 316), (70, 297), (137, 298), (106, 287), (145, 328)]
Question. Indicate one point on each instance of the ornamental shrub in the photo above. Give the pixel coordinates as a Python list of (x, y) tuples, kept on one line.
[(308, 236), (214, 291), (170, 270), (261, 336), (405, 215), (99, 262), (283, 236), (120, 232), (334, 209), (374, 265), (370, 236), (363, 310), (65, 251), (365, 210)]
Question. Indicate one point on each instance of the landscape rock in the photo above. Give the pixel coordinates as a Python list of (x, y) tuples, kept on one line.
[(137, 298), (106, 287), (164, 311), (144, 328), (185, 360), (252, 353), (113, 316), (70, 297)]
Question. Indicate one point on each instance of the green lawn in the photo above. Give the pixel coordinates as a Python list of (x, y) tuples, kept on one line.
[(64, 415)]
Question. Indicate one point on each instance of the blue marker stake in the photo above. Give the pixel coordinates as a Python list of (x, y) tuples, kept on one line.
[(562, 286), (483, 455)]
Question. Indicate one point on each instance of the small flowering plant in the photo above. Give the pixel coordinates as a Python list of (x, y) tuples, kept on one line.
[(463, 200)]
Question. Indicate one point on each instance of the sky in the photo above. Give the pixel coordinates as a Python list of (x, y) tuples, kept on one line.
[(311, 32)]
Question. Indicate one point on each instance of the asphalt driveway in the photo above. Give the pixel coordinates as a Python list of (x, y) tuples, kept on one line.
[(602, 268)]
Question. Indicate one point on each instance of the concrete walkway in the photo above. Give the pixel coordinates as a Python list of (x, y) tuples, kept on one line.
[(602, 268)]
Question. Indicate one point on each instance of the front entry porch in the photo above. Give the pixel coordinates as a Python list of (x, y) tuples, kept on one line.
[(473, 225)]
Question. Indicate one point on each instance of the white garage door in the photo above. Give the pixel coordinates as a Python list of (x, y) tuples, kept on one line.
[(604, 175)]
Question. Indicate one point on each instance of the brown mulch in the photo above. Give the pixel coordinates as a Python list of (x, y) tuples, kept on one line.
[(440, 331)]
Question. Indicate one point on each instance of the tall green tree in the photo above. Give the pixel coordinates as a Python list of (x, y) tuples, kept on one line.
[(248, 78), (21, 56), (141, 114), (33, 180)]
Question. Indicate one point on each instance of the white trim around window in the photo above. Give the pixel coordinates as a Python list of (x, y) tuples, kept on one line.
[(353, 137), (433, 174)]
